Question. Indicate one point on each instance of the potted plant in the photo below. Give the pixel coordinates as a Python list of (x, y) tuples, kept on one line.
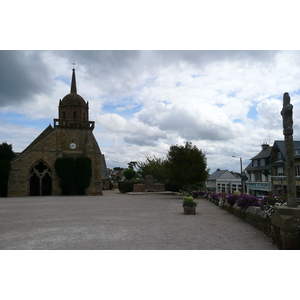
[(189, 205)]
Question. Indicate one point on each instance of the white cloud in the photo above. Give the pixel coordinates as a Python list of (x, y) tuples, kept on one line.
[(227, 103)]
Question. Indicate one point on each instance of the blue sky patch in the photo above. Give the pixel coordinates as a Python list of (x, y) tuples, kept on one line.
[(22, 120), (64, 79), (237, 121), (252, 113)]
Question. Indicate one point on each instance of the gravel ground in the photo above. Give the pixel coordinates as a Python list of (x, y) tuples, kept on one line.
[(117, 221)]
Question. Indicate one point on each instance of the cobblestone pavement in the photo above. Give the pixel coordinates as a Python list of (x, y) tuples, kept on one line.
[(122, 221)]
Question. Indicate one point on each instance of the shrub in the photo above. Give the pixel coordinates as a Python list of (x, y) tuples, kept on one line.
[(189, 201), (129, 174), (196, 194), (222, 199), (267, 204), (236, 193), (83, 169), (75, 174), (111, 185), (65, 169), (6, 155), (127, 185), (169, 186), (247, 200), (214, 197), (232, 199)]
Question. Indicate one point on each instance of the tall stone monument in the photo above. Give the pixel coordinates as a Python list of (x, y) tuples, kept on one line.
[(287, 117), (286, 219)]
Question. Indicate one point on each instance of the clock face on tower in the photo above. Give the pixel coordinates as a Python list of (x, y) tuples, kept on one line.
[(72, 145)]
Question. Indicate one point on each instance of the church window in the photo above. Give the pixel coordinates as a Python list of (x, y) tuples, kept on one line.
[(40, 180), (74, 115)]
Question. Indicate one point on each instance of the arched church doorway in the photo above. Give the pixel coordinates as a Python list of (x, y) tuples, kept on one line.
[(40, 179)]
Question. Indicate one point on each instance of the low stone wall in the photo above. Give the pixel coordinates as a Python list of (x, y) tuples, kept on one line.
[(252, 215), (156, 187), (283, 227)]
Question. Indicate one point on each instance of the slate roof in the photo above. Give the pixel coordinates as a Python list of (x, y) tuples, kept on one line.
[(104, 173), (218, 174), (281, 146), (263, 153), (257, 168)]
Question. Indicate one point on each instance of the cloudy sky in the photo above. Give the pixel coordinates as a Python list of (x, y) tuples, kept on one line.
[(226, 102)]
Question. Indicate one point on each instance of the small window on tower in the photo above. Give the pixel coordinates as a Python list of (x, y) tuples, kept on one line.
[(64, 115), (74, 115)]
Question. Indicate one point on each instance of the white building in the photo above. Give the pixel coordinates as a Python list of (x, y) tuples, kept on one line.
[(223, 181)]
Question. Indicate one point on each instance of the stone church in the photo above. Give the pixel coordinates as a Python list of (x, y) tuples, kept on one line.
[(33, 172)]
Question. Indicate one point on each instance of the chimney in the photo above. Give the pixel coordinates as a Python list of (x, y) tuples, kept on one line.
[(264, 146)]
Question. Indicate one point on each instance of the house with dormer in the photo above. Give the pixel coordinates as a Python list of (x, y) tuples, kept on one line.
[(278, 169), (266, 173), (258, 173)]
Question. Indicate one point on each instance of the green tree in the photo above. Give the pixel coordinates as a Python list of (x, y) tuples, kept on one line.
[(75, 174), (186, 165), (83, 170), (153, 166), (132, 165), (6, 155), (65, 169), (118, 169), (129, 174)]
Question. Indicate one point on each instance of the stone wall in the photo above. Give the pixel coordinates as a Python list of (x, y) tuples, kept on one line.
[(149, 186), (141, 187), (252, 215), (284, 236)]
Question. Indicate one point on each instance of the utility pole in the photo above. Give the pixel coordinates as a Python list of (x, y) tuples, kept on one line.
[(241, 165)]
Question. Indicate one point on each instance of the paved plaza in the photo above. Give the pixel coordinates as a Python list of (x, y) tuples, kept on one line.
[(118, 221)]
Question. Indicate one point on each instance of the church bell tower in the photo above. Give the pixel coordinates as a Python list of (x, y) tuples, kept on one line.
[(73, 111)]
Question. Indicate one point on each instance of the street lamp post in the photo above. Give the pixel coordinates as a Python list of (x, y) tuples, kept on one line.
[(241, 164)]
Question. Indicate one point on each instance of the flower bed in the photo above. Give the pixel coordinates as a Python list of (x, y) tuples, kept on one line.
[(249, 208)]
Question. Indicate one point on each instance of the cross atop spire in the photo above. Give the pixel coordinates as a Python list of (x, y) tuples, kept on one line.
[(73, 83)]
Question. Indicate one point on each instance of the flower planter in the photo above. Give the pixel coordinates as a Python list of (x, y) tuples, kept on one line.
[(189, 210)]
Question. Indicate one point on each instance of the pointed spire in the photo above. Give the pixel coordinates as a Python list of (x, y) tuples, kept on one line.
[(73, 83)]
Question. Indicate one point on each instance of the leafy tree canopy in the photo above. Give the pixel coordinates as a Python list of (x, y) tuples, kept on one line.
[(129, 174), (75, 174), (153, 166), (118, 169), (132, 165), (6, 155), (186, 165)]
